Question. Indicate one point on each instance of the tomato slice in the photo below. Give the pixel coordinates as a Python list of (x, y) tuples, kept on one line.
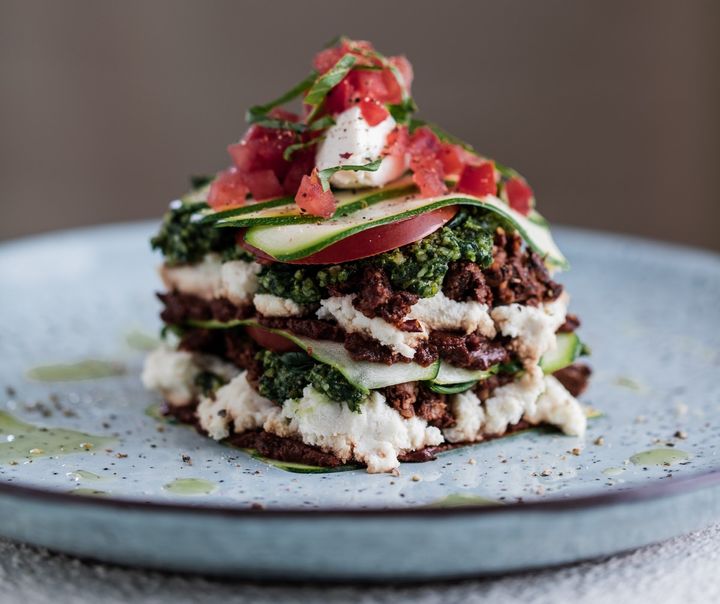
[(267, 339), (371, 242)]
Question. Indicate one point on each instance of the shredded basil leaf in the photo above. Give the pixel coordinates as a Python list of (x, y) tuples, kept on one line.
[(402, 111), (324, 175), (260, 111), (289, 151), (320, 124), (269, 122), (316, 95)]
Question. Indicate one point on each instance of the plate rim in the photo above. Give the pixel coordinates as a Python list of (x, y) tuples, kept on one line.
[(656, 490)]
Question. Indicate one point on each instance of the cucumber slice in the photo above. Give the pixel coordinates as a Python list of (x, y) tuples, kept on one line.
[(569, 347), (285, 211), (449, 374), (452, 389), (295, 241), (365, 376)]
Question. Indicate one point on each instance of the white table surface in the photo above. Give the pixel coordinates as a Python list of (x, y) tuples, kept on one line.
[(682, 570)]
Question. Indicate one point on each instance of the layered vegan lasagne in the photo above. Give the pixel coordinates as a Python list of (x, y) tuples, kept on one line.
[(360, 286)]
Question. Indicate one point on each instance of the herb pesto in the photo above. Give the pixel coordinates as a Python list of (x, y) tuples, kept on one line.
[(286, 375), (183, 240)]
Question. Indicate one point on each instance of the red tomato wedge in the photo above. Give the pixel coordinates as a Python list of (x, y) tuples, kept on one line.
[(267, 339), (371, 242)]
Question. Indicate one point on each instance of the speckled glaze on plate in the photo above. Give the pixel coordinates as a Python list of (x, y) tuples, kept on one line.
[(120, 485)]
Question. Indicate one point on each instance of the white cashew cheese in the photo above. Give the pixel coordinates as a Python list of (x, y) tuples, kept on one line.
[(532, 327), (556, 406), (172, 373), (202, 279), (441, 312), (533, 397), (352, 320), (236, 403), (211, 278), (352, 141), (375, 436), (239, 281), (269, 305)]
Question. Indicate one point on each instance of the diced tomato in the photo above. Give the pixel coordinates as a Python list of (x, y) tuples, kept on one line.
[(379, 85), (228, 190), (425, 163), (312, 199), (452, 158), (263, 184), (397, 142), (478, 180), (370, 84), (340, 97), (373, 111), (405, 68), (261, 149), (303, 162), (519, 195), (326, 58)]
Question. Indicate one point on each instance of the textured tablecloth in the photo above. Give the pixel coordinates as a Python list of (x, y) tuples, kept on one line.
[(683, 570)]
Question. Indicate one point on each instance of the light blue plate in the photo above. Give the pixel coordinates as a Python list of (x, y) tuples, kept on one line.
[(136, 490)]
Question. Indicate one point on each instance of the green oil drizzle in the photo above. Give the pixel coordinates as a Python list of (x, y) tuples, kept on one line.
[(190, 486), (87, 492), (629, 383), (455, 500), (139, 340), (614, 471), (20, 440), (659, 457), (90, 369), (79, 475)]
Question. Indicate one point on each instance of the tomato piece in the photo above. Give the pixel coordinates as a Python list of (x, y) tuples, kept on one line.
[(303, 162), (396, 144), (373, 241), (373, 111), (263, 184), (312, 199), (339, 98), (370, 84), (478, 180), (519, 195), (262, 149), (425, 163), (228, 190), (271, 341), (379, 84), (404, 66), (452, 158)]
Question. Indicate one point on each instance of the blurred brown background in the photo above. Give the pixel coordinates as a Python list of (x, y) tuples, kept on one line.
[(610, 108)]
